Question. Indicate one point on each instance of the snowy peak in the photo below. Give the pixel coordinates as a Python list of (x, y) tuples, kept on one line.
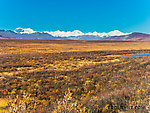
[(79, 33), (24, 31), (70, 33), (65, 34), (117, 33), (28, 33)]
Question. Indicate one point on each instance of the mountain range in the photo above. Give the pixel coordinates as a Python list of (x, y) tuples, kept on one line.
[(20, 33)]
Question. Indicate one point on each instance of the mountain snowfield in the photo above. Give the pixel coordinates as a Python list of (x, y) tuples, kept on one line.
[(70, 33)]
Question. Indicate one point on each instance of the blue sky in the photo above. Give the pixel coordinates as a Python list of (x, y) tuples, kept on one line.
[(69, 15)]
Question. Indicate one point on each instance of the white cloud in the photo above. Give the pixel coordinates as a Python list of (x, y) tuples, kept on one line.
[(70, 33)]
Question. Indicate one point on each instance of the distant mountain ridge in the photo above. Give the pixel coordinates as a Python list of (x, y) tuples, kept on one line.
[(37, 35), (20, 33), (70, 33), (131, 37)]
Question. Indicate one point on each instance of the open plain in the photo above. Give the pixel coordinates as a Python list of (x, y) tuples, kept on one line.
[(74, 76)]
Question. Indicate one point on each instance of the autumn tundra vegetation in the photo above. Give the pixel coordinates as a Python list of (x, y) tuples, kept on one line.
[(54, 76)]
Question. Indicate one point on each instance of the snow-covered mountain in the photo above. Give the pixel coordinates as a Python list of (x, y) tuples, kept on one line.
[(74, 33), (28, 33), (24, 31)]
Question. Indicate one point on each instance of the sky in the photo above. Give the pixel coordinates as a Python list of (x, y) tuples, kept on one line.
[(69, 15)]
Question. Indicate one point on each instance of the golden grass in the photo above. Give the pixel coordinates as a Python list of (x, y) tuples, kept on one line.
[(50, 76), (3, 105), (67, 46), (3, 102)]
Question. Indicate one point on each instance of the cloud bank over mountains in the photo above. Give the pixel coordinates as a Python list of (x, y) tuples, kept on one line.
[(70, 33)]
